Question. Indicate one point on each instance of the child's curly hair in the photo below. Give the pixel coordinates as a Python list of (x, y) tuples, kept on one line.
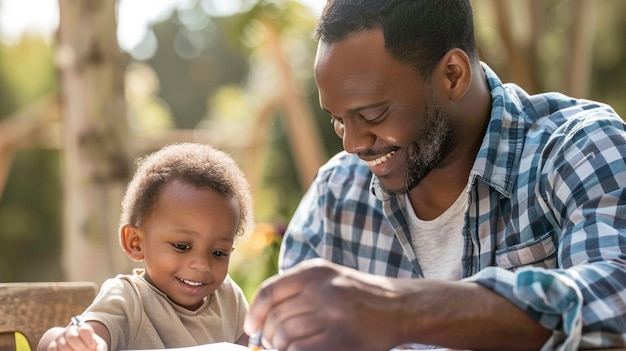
[(195, 164)]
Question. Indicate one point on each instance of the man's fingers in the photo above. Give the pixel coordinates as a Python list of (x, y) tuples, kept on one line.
[(273, 291), (277, 289)]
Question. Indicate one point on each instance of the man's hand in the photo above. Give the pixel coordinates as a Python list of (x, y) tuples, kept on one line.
[(318, 305)]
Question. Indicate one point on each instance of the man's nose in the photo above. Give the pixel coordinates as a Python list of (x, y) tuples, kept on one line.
[(356, 136)]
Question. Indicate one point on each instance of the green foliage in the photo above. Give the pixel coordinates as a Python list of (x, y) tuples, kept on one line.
[(30, 207), (7, 98), (256, 261), (30, 219), (187, 82), (28, 72), (284, 16), (609, 56)]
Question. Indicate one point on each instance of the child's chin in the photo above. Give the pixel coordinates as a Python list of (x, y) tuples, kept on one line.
[(192, 307)]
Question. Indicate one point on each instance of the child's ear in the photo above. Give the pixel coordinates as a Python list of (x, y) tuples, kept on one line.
[(131, 239)]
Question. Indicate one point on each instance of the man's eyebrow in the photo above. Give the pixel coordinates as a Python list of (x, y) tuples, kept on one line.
[(360, 108)]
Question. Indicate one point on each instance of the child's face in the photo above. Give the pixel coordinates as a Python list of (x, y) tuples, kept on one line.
[(187, 242)]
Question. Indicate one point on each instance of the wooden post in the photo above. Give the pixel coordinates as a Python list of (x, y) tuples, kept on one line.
[(580, 49), (96, 151), (302, 131)]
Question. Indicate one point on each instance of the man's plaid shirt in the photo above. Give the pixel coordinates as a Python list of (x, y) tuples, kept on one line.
[(547, 190)]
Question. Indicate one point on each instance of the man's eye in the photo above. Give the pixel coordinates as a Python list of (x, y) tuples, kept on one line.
[(337, 126), (181, 247), (376, 117), (338, 120)]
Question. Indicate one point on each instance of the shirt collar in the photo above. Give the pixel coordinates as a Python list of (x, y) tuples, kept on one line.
[(498, 159)]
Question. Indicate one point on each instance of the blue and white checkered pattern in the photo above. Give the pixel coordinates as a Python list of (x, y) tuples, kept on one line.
[(547, 190)]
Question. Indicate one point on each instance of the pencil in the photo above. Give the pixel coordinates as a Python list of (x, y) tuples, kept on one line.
[(77, 321), (255, 341)]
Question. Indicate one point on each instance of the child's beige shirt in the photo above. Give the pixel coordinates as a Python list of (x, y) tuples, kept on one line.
[(139, 316)]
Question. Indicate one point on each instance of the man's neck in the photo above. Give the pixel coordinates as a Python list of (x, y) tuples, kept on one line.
[(438, 191)]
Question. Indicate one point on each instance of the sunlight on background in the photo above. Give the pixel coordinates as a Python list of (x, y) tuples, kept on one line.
[(30, 17), (41, 17)]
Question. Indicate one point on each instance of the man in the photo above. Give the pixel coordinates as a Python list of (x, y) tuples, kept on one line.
[(509, 208)]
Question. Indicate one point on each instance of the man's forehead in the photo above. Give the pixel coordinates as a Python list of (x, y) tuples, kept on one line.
[(358, 48)]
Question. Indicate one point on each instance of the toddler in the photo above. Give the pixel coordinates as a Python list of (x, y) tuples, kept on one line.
[(180, 215)]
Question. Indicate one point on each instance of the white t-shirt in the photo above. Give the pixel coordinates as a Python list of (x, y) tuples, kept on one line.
[(140, 316), (439, 243)]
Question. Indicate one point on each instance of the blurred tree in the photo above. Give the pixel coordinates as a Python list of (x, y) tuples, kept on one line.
[(519, 37), (96, 149), (571, 46), (609, 55), (555, 45), (274, 32)]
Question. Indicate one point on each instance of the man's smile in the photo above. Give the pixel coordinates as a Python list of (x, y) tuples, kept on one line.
[(381, 159)]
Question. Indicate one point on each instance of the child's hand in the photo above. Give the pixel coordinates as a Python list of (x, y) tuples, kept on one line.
[(77, 338)]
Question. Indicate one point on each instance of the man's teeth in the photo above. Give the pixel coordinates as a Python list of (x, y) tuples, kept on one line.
[(381, 159), (191, 282)]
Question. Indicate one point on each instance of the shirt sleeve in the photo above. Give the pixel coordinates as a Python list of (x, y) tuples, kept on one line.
[(116, 302), (304, 232), (242, 308), (582, 300)]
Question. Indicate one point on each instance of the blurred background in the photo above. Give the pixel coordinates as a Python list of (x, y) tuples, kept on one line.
[(88, 86)]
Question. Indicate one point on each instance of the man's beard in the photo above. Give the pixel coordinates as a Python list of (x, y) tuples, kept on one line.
[(433, 145)]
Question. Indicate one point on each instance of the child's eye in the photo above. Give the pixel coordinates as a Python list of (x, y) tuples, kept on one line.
[(218, 253), (181, 247)]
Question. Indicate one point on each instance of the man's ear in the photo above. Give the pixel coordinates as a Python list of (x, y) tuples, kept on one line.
[(131, 239), (457, 73)]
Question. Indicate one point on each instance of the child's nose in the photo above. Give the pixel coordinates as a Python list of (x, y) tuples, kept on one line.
[(201, 263)]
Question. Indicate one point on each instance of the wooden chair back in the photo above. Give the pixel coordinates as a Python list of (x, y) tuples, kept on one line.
[(33, 308)]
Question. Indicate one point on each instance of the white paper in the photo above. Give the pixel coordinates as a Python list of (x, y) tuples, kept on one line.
[(227, 346), (218, 346)]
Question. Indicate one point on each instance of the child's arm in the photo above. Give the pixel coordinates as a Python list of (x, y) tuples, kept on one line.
[(89, 336)]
